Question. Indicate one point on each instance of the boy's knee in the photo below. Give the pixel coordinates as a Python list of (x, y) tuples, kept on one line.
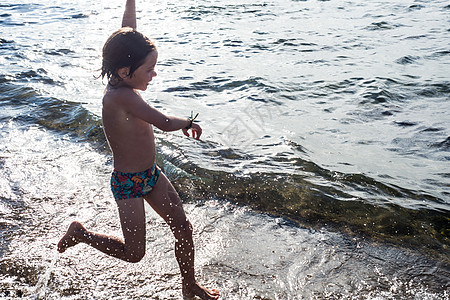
[(183, 229), (187, 227)]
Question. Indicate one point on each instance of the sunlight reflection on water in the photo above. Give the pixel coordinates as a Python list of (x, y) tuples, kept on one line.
[(361, 88)]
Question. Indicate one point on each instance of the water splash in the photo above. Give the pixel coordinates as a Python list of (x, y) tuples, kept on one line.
[(40, 291)]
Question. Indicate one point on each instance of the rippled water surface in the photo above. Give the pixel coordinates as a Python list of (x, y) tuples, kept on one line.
[(323, 171)]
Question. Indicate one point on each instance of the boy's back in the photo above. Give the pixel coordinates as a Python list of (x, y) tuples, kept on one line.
[(130, 138)]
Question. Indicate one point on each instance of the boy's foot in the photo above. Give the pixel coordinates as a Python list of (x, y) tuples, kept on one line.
[(70, 238), (190, 292)]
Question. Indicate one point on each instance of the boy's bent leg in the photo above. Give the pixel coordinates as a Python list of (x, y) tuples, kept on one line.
[(132, 218), (165, 201)]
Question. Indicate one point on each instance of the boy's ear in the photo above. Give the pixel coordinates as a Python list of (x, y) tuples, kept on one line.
[(123, 72)]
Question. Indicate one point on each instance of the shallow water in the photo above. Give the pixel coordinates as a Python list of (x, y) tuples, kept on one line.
[(323, 171), (246, 254)]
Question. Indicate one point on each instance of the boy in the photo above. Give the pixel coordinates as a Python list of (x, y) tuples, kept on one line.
[(129, 60)]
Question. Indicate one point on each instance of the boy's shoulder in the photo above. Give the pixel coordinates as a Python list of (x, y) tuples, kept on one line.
[(119, 95)]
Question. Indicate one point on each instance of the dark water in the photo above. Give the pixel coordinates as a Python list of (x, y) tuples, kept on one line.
[(323, 171)]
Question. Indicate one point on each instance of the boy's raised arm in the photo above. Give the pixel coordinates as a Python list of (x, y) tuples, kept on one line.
[(129, 16)]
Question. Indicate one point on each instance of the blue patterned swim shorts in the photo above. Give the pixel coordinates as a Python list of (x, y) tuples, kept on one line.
[(134, 185)]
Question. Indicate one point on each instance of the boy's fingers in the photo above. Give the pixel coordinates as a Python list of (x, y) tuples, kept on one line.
[(198, 133)]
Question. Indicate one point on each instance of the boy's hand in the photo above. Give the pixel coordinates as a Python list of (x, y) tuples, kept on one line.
[(196, 131)]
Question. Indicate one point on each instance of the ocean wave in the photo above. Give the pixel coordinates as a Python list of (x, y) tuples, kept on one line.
[(217, 84), (316, 197), (29, 107), (443, 145)]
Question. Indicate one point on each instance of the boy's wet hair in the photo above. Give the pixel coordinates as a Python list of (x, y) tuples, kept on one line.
[(124, 48)]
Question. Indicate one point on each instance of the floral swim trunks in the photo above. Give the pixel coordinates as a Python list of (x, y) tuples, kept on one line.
[(134, 185)]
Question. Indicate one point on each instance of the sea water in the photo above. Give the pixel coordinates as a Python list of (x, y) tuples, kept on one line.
[(323, 171)]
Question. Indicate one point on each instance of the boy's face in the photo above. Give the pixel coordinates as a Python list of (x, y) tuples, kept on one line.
[(144, 74)]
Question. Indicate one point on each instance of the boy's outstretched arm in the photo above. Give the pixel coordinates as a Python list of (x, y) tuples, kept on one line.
[(129, 16)]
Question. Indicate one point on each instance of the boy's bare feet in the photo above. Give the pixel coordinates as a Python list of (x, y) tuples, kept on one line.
[(196, 290), (70, 238)]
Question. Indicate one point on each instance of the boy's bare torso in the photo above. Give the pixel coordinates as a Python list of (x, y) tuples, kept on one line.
[(130, 138)]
